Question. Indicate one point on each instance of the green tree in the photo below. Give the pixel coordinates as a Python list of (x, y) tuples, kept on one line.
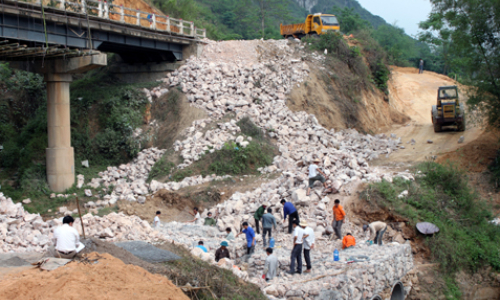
[(469, 32), (268, 10), (350, 21)]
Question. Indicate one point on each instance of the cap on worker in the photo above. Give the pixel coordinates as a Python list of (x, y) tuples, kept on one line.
[(303, 223), (316, 160), (365, 227), (224, 243)]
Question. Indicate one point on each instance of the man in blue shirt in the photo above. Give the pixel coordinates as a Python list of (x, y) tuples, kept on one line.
[(250, 234), (290, 211), (200, 245)]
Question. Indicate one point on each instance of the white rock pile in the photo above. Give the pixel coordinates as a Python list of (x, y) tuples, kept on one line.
[(21, 231)]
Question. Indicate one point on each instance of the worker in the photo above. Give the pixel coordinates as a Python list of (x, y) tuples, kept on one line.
[(230, 235), (156, 221), (209, 221), (338, 218), (66, 240), (308, 244), (315, 174), (377, 230), (222, 252), (348, 241), (201, 246), (271, 265), (298, 239), (290, 211), (421, 67), (250, 235), (268, 222), (258, 215), (197, 217)]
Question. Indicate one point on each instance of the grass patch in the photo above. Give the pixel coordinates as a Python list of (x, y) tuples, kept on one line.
[(466, 241), (232, 159)]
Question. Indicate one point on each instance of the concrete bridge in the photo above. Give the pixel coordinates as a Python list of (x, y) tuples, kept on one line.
[(67, 38)]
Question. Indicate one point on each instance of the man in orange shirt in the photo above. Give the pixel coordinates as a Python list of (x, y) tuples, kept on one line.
[(348, 241), (338, 218)]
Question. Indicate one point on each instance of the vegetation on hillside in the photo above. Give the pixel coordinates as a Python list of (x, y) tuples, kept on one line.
[(441, 195), (232, 159), (104, 114), (469, 33)]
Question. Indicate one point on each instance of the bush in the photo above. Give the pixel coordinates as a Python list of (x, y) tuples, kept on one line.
[(466, 240), (495, 170)]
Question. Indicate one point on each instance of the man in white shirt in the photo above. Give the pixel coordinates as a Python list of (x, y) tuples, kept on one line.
[(156, 221), (315, 174), (197, 218), (308, 244), (298, 239), (66, 239)]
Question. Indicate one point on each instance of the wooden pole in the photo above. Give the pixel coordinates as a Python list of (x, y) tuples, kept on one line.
[(80, 215)]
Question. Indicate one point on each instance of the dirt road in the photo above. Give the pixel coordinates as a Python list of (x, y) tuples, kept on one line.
[(414, 94)]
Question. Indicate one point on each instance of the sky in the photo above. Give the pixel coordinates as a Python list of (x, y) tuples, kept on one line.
[(406, 13)]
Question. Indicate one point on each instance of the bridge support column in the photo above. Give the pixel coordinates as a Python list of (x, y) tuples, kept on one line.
[(60, 154), (58, 76)]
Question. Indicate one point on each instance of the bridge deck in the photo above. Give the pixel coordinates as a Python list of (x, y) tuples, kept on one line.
[(104, 29)]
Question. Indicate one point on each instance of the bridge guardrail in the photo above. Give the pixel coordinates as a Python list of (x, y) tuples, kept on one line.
[(121, 14)]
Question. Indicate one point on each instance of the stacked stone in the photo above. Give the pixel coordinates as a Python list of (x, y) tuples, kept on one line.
[(21, 231), (359, 280)]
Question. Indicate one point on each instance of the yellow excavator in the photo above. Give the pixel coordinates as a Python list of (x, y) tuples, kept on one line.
[(314, 25)]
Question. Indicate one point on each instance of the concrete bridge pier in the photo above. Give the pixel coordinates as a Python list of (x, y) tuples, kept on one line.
[(60, 161), (60, 155)]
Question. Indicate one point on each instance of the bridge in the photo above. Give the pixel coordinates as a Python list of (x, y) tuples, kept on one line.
[(60, 38)]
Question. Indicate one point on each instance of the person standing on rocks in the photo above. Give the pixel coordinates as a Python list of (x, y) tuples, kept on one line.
[(268, 222), (298, 240), (338, 218), (156, 221), (250, 235), (258, 215), (222, 252), (308, 244), (421, 67), (271, 265), (377, 230), (197, 217), (209, 221), (66, 240), (290, 211), (348, 241), (315, 174)]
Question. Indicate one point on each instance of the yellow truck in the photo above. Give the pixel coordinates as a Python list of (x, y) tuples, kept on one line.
[(314, 25)]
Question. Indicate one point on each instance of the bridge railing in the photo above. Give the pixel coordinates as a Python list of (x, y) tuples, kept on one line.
[(121, 14)]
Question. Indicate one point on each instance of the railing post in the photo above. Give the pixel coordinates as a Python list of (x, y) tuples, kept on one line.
[(62, 4), (192, 29), (153, 17), (106, 10), (39, 2), (168, 24), (122, 14), (138, 16), (83, 6), (181, 26), (204, 33), (99, 9)]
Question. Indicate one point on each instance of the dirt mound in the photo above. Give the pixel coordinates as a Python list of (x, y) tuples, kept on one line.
[(173, 114), (108, 278)]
